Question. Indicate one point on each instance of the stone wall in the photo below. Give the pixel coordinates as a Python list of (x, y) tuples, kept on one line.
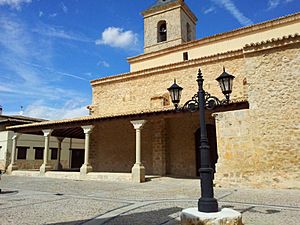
[(172, 19), (257, 147), (168, 145), (184, 20), (130, 94), (261, 146), (36, 164)]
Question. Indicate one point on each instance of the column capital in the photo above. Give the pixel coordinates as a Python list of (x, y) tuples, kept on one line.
[(60, 139), (47, 132), (16, 136), (138, 124), (87, 129)]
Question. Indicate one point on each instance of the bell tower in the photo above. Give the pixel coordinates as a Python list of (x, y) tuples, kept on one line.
[(168, 23)]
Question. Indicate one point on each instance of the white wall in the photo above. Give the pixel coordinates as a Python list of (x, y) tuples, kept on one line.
[(33, 141)]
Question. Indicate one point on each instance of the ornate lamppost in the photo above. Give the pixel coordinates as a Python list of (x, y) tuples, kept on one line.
[(201, 101)]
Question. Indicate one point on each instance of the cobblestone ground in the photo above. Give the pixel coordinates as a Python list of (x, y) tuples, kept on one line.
[(33, 200)]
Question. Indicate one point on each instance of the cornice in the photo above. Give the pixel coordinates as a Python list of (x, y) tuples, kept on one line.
[(252, 47), (227, 35), (168, 67), (272, 43)]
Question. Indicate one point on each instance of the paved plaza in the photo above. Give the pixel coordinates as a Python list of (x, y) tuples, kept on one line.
[(37, 200)]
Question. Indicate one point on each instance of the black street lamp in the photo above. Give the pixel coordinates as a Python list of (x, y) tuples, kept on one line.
[(201, 101)]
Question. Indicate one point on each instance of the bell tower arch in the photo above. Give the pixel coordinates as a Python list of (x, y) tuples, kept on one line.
[(168, 23)]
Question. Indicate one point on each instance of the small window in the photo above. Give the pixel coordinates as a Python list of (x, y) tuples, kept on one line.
[(161, 31), (39, 153), (22, 152), (53, 153), (185, 56)]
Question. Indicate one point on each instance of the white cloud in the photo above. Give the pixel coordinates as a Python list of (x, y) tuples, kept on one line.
[(41, 13), (70, 109), (118, 38), (273, 4), (210, 10), (56, 71), (234, 11), (14, 4), (57, 32), (26, 76), (103, 63), (63, 7), (53, 15)]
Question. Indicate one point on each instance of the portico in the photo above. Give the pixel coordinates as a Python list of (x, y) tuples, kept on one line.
[(123, 147)]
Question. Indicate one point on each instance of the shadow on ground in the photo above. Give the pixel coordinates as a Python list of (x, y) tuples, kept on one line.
[(8, 192), (155, 217)]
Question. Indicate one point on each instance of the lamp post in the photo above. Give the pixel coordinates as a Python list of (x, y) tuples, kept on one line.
[(201, 101)]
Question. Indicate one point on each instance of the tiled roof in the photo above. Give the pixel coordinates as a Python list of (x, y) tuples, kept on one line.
[(90, 119), (20, 117), (160, 3), (284, 38)]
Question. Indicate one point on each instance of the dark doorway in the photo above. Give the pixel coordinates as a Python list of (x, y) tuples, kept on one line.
[(212, 142), (77, 158)]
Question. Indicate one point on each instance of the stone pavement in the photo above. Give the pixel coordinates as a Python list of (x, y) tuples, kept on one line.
[(35, 200)]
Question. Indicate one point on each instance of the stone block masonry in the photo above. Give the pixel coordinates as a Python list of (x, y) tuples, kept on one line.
[(257, 147)]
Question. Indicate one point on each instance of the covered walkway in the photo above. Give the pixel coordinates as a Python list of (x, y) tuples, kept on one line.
[(116, 157)]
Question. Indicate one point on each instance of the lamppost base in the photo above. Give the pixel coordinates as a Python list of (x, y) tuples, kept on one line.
[(192, 216), (208, 205)]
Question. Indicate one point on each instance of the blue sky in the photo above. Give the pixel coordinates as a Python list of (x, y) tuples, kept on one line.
[(51, 49)]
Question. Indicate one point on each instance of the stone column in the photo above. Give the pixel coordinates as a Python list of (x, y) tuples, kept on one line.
[(13, 166), (45, 166), (58, 165), (138, 170), (86, 167)]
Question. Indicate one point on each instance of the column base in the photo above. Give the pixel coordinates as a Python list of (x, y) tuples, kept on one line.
[(138, 173), (85, 169), (58, 166), (11, 168), (44, 168), (226, 216)]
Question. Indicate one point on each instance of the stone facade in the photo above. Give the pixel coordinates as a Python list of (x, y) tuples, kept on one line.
[(257, 147), (129, 94), (265, 138)]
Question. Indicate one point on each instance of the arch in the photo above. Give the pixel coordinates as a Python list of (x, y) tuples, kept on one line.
[(188, 32), (161, 31)]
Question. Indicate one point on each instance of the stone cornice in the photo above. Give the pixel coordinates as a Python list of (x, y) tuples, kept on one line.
[(227, 35), (168, 68), (273, 43)]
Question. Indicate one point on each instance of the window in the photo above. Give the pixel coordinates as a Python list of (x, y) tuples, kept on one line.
[(188, 32), (54, 153), (39, 152), (22, 152), (185, 56), (162, 31)]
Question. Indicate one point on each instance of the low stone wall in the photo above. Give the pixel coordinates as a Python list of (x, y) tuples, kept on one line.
[(35, 164)]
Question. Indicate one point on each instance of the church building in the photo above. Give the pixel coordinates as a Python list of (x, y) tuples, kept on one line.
[(134, 127)]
